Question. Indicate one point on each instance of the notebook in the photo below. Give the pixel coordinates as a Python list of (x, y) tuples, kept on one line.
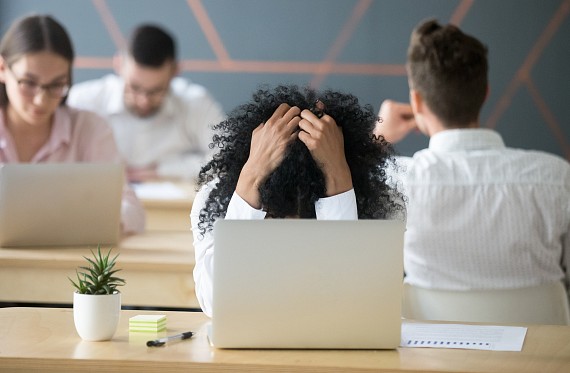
[(60, 204), (307, 284)]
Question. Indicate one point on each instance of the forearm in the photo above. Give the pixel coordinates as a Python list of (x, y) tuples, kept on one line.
[(132, 212), (248, 184), (338, 180)]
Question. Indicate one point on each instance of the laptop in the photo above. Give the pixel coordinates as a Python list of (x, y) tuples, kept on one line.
[(60, 204), (307, 284)]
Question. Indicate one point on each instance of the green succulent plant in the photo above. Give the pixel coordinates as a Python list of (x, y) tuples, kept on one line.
[(98, 278)]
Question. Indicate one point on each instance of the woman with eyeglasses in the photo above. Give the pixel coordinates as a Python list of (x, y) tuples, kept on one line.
[(36, 125)]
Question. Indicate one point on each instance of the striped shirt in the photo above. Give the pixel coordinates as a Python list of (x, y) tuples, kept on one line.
[(484, 216)]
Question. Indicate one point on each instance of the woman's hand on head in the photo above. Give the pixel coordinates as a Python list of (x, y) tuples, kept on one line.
[(325, 141), (269, 143)]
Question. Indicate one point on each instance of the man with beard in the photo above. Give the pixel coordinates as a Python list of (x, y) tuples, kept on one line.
[(161, 122)]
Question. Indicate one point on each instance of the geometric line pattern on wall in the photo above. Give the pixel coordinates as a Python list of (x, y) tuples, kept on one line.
[(523, 78), (343, 37), (110, 24), (224, 63), (319, 70)]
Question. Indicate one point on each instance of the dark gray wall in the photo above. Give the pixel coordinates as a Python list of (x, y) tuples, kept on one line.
[(231, 46)]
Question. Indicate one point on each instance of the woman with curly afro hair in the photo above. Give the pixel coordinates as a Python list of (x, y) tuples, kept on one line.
[(292, 153)]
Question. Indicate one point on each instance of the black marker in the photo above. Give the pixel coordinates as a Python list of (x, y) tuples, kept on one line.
[(162, 341)]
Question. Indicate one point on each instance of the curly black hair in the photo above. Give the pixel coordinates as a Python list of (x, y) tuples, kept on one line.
[(294, 187)]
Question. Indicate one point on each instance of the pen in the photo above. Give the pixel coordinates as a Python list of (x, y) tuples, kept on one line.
[(162, 341)]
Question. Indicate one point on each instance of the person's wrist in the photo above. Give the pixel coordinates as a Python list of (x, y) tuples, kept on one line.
[(248, 186), (252, 175), (338, 182)]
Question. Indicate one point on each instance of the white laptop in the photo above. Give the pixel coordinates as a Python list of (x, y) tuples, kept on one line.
[(60, 204), (307, 284)]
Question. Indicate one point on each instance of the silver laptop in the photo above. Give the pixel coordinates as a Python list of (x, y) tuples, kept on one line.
[(307, 284), (60, 204)]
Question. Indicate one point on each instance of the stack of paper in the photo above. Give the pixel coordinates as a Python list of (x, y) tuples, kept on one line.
[(147, 323)]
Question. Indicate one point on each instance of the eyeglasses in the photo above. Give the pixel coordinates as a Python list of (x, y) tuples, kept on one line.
[(29, 88), (152, 93)]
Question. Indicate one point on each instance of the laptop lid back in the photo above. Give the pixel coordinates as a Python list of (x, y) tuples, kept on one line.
[(60, 204), (292, 283)]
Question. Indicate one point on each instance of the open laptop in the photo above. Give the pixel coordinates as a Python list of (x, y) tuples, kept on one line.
[(307, 284), (60, 204)]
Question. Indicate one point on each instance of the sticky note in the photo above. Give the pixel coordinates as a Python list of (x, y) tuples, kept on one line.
[(147, 323), (147, 318)]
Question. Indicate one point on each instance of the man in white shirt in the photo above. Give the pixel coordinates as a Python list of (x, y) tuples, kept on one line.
[(479, 215), (161, 122), (286, 156)]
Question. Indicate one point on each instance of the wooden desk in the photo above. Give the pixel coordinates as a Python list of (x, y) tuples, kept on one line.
[(45, 340), (167, 204), (157, 267)]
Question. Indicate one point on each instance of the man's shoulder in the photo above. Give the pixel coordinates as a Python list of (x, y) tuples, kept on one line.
[(539, 157), (96, 93), (187, 90), (508, 165), (109, 81)]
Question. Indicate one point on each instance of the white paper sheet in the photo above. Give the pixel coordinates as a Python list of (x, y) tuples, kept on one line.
[(475, 337), (159, 190)]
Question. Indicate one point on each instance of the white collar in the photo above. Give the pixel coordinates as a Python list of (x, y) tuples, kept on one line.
[(466, 139)]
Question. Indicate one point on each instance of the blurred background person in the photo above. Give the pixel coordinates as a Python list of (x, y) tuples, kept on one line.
[(36, 124), (161, 122), (480, 215)]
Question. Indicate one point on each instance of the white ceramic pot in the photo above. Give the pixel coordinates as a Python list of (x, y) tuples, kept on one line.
[(96, 316)]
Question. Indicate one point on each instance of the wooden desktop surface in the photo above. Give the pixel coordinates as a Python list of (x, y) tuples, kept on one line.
[(44, 339), (167, 204), (157, 267)]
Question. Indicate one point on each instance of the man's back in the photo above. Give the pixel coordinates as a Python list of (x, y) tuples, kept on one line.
[(481, 215)]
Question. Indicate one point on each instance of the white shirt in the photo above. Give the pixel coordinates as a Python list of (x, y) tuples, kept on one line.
[(339, 207), (484, 216), (176, 138)]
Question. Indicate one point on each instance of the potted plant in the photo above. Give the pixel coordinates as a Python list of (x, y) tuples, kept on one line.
[(96, 300)]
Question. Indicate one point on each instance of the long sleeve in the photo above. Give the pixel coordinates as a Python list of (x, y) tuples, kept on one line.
[(339, 207), (203, 252)]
